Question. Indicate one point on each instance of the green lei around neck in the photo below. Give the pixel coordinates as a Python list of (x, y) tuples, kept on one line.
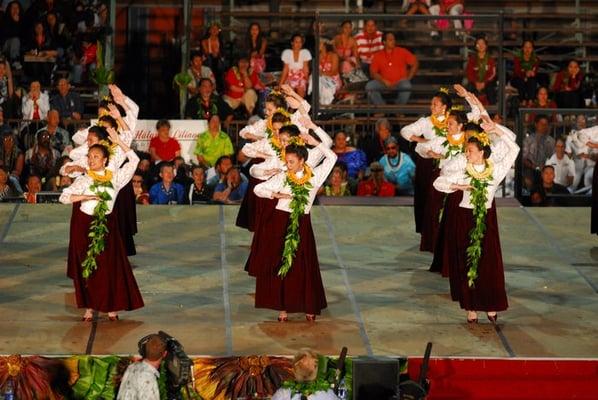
[(292, 238), (482, 65), (479, 197), (98, 228), (307, 388)]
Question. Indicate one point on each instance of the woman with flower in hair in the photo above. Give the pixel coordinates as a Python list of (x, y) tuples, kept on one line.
[(476, 272), (296, 61), (283, 252), (525, 72), (97, 259)]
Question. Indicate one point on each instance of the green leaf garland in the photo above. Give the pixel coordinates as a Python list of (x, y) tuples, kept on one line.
[(479, 197), (98, 229), (307, 388)]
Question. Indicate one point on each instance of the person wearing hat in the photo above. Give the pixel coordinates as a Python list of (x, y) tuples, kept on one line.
[(11, 156), (376, 184), (399, 168)]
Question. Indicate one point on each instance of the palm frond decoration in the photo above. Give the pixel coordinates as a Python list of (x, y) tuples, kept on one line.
[(31, 376)]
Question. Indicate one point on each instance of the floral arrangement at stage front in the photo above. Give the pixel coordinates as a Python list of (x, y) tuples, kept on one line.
[(300, 188), (99, 226), (479, 197), (31, 377)]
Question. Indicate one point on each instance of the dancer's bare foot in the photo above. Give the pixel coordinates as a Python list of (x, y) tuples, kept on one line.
[(113, 316), (88, 316), (282, 316), (472, 317)]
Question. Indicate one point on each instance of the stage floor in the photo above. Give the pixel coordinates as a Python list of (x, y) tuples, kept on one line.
[(382, 300)]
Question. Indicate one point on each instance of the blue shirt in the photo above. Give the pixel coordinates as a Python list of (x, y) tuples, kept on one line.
[(159, 194), (399, 171), (235, 195)]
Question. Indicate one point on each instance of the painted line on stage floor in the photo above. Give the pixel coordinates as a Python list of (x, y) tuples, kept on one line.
[(11, 218), (92, 333), (225, 281), (345, 274), (504, 341), (557, 248)]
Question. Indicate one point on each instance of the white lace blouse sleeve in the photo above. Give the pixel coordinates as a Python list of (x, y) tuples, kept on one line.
[(452, 172), (322, 171), (79, 186), (81, 162), (123, 175), (590, 133), (256, 129), (254, 149), (268, 188), (414, 129), (132, 113), (79, 152), (80, 136), (475, 114), (502, 167)]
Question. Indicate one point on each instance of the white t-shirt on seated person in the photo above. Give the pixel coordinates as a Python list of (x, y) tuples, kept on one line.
[(287, 58), (562, 169)]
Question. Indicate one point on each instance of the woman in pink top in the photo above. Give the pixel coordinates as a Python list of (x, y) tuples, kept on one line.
[(346, 48)]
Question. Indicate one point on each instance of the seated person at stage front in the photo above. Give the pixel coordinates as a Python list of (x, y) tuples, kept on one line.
[(212, 144), (232, 189), (392, 70), (399, 169), (167, 191), (140, 381), (163, 147), (541, 193), (376, 184)]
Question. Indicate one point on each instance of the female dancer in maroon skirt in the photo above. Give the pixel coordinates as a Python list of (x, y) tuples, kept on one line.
[(284, 250), (475, 260), (592, 143), (98, 263)]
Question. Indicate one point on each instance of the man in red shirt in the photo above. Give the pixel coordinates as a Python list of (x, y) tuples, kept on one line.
[(163, 147), (391, 70), (376, 184)]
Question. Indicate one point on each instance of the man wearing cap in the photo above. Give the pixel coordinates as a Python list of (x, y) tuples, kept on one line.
[(399, 168), (376, 184)]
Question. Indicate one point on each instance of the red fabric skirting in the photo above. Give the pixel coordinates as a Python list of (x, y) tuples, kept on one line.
[(489, 292), (302, 289), (430, 223), (423, 175), (440, 263), (112, 286), (594, 226), (125, 208)]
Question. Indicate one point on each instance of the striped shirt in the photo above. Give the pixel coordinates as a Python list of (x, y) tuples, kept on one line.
[(367, 46)]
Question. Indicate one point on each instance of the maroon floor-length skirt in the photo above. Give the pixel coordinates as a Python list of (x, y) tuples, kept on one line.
[(301, 290), (440, 263), (430, 220), (489, 293), (594, 225), (248, 211), (112, 286), (423, 175), (125, 208)]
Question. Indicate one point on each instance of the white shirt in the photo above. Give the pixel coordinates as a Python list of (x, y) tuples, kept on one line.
[(287, 58), (285, 394), (454, 172), (140, 382), (82, 185), (258, 128), (277, 184), (562, 169), (43, 104)]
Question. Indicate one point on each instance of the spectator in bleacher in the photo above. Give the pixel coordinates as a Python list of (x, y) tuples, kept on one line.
[(41, 158), (212, 144), (232, 189), (6, 187), (181, 171), (416, 7), (33, 186), (36, 103), (373, 144), (198, 190), (564, 167), (139, 188), (447, 7), (542, 101), (12, 33), (296, 61), (206, 103), (163, 147), (59, 138), (399, 169), (212, 46), (346, 48), (255, 46), (541, 193), (58, 35), (354, 159), (11, 156), (167, 191), (330, 79), (376, 184), (525, 72), (85, 51), (197, 71), (369, 42), (537, 147), (392, 70), (242, 84), (481, 73), (568, 86), (67, 101), (338, 185), (55, 181), (6, 88), (40, 45)]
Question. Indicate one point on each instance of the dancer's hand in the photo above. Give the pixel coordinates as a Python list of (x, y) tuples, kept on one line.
[(433, 154), (306, 121), (455, 186), (309, 139), (282, 196), (74, 168), (489, 126), (460, 90), (114, 113)]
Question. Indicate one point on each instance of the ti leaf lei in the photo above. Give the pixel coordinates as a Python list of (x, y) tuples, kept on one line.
[(307, 388), (99, 226), (479, 196), (300, 190)]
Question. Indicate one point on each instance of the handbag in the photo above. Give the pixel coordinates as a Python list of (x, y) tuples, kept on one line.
[(355, 76)]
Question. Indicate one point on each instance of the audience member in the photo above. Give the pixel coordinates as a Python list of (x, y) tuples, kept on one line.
[(416, 7), (525, 71), (11, 157), (7, 190), (354, 159), (376, 184), (338, 185), (399, 169), (197, 71), (41, 158), (140, 380), (447, 7), (564, 167), (33, 186), (232, 190), (255, 46), (59, 138), (241, 86), (392, 70), (213, 144), (295, 72), (41, 46), (207, 103), (212, 47), (163, 147), (7, 92), (537, 147), (139, 188), (373, 144), (568, 86), (577, 149), (198, 190), (346, 48), (167, 191), (67, 101), (542, 101), (12, 33), (330, 79), (541, 193), (369, 42), (35, 103), (481, 73)]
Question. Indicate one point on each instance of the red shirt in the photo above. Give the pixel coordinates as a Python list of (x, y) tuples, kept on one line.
[(165, 151), (232, 80), (473, 70), (392, 66), (368, 45), (368, 188)]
